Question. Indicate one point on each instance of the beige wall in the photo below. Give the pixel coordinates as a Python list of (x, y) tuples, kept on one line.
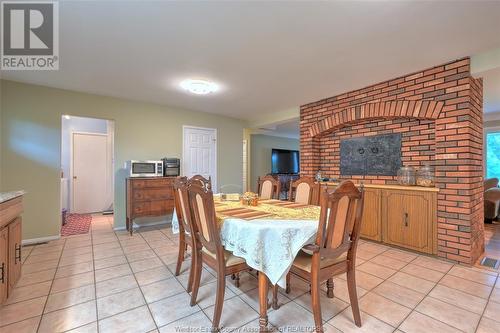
[(491, 123), (260, 154), (31, 143)]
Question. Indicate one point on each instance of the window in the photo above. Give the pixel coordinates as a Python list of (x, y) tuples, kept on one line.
[(493, 154)]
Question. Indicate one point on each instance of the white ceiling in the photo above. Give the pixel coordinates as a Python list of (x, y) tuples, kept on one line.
[(288, 129), (268, 56)]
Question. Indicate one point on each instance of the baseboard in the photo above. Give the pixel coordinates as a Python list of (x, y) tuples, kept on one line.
[(147, 224), (40, 240)]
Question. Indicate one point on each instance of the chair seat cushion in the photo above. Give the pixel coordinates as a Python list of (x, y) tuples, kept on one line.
[(230, 259), (303, 261)]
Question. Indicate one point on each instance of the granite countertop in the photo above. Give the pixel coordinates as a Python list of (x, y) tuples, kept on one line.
[(6, 196)]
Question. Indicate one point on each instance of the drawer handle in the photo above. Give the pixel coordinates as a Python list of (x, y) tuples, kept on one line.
[(406, 219), (18, 254), (2, 276)]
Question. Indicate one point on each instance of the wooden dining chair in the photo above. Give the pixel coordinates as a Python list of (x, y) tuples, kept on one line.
[(185, 226), (203, 181), (268, 187), (304, 190), (334, 251), (209, 249)]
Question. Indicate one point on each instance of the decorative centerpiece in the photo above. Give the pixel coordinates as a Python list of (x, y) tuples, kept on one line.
[(250, 199)]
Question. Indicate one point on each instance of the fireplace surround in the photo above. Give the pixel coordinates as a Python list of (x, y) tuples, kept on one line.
[(438, 112)]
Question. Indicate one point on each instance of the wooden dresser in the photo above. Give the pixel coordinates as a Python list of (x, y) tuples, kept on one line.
[(405, 216), (149, 196), (11, 207)]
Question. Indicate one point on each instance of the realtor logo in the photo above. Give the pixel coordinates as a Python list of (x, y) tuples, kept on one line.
[(30, 35)]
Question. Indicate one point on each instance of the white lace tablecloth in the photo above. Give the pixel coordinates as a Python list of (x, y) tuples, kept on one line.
[(267, 245)]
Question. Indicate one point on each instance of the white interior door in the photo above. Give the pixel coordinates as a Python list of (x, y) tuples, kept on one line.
[(200, 153), (89, 172)]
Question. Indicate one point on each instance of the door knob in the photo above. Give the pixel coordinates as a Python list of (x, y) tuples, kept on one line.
[(74, 177)]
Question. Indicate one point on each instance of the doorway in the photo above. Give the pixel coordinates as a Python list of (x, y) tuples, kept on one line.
[(86, 171), (199, 153)]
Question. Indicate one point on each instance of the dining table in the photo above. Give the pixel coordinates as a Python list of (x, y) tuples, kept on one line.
[(268, 236)]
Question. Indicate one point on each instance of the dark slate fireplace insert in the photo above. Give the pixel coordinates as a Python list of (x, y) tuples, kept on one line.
[(371, 155)]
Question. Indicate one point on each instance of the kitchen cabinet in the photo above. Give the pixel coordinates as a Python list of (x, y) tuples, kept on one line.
[(11, 207)]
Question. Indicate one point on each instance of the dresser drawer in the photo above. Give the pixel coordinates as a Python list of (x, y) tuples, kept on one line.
[(152, 183), (153, 194), (141, 208), (162, 207)]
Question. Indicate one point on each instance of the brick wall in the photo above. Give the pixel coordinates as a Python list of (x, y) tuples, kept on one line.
[(439, 113)]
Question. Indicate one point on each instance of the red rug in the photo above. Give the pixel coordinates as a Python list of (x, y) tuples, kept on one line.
[(76, 224)]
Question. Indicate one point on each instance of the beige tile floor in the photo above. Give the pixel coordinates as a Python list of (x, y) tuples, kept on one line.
[(107, 281)]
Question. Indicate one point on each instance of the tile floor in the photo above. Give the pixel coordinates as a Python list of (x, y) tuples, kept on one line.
[(111, 282), (491, 241)]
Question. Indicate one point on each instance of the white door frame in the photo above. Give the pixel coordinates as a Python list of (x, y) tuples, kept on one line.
[(71, 187), (214, 130)]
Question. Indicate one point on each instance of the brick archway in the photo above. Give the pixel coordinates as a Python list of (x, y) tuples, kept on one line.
[(425, 109)]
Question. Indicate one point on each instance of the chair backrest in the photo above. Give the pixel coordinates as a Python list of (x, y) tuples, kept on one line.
[(340, 221), (304, 190), (182, 205), (204, 182), (268, 187), (490, 183), (201, 202)]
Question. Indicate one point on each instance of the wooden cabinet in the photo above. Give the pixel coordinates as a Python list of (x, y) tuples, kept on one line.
[(10, 245), (371, 225), (410, 219), (152, 196), (404, 216)]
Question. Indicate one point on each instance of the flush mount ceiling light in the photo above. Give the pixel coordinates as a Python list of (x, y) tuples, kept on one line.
[(199, 87)]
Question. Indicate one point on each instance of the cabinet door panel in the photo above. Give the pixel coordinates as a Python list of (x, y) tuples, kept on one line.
[(371, 221), (409, 218), (15, 238), (3, 264)]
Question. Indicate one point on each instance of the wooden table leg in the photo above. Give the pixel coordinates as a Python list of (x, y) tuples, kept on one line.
[(263, 290), (275, 304)]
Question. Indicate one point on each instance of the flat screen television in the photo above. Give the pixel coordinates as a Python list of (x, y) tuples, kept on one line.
[(285, 161)]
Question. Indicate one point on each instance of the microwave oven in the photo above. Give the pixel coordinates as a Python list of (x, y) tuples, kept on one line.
[(145, 168)]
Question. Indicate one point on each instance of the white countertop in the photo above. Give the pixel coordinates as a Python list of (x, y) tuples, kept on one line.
[(6, 196)]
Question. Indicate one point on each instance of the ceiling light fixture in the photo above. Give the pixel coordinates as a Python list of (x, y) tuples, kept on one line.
[(199, 87), (67, 117)]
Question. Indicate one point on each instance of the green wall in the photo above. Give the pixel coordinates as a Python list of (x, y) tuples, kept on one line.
[(31, 144), (260, 152)]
